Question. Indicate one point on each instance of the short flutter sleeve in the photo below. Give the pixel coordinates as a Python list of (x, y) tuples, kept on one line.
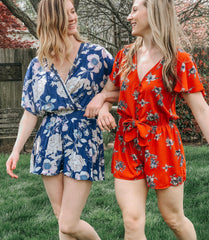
[(28, 102), (108, 61), (115, 76), (188, 78)]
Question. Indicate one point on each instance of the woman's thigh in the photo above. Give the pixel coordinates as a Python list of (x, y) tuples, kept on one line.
[(54, 189), (67, 196), (74, 197), (170, 201), (131, 196)]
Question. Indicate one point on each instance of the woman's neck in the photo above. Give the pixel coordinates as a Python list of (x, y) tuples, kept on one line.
[(148, 44), (75, 44), (74, 41), (148, 47)]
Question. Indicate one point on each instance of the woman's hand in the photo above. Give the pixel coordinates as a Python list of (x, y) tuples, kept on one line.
[(105, 119), (110, 93), (12, 163), (94, 106), (26, 126)]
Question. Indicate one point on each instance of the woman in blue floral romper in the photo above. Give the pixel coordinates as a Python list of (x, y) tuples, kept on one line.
[(68, 148)]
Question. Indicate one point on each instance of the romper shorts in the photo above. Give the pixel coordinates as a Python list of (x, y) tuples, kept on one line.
[(154, 153)]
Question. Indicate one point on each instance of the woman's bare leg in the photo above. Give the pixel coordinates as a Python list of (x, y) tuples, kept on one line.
[(170, 203), (131, 197), (54, 189), (75, 195), (68, 198)]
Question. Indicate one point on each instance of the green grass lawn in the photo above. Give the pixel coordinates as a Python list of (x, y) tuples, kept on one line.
[(26, 214)]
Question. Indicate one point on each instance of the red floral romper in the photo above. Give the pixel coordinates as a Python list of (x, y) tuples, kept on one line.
[(148, 144)]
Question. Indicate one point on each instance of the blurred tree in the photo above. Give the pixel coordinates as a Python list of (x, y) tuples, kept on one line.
[(9, 27), (19, 13), (104, 21), (194, 18)]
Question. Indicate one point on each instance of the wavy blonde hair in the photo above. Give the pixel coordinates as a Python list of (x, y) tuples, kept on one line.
[(166, 34), (52, 31)]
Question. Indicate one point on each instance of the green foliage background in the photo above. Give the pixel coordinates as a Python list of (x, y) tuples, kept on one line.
[(190, 131)]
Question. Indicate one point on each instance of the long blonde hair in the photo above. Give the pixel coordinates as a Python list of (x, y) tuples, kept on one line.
[(52, 31), (166, 34)]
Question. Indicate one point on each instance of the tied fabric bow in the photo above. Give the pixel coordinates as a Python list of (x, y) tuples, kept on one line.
[(136, 129)]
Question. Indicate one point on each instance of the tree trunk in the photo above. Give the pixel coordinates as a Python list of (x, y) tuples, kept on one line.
[(76, 3), (35, 3), (17, 12)]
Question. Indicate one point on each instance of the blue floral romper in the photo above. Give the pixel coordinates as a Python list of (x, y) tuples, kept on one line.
[(67, 141)]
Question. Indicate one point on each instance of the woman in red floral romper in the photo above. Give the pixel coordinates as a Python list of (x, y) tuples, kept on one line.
[(148, 151)]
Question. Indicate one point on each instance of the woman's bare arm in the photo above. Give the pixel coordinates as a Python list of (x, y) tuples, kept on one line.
[(110, 93), (26, 126), (200, 110)]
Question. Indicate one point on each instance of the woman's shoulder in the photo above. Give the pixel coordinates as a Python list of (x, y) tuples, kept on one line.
[(93, 46), (127, 47), (123, 52), (35, 66), (183, 56), (34, 61)]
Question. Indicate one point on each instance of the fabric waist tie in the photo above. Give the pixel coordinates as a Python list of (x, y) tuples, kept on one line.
[(60, 112), (136, 129)]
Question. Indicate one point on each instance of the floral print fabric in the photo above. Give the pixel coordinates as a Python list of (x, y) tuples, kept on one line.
[(67, 141), (148, 144)]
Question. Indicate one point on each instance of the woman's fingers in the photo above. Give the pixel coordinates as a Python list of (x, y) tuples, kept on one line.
[(94, 106), (106, 122), (11, 165)]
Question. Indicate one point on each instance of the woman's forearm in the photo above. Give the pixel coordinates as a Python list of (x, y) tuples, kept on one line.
[(110, 96), (26, 126), (200, 110), (202, 118), (110, 92)]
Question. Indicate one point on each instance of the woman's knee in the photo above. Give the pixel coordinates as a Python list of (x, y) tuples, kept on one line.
[(133, 222), (174, 221), (68, 227)]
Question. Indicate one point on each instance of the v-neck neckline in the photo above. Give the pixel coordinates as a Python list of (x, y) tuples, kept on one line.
[(72, 67), (149, 71)]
